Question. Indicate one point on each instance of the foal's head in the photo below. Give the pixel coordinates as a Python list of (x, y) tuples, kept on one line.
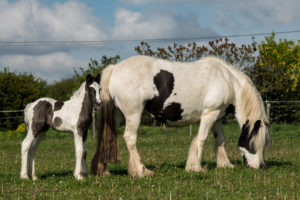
[(93, 88)]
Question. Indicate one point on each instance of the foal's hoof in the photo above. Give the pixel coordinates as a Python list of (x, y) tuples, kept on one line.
[(79, 177), (34, 178)]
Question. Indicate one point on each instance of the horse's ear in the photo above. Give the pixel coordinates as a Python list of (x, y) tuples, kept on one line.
[(98, 78), (89, 79)]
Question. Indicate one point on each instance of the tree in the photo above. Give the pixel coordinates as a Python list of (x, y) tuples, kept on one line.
[(243, 55), (276, 74), (17, 90), (63, 89)]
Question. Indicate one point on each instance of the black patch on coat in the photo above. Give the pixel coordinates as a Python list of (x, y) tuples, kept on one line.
[(57, 122), (164, 82), (230, 109), (245, 138), (42, 116), (58, 105)]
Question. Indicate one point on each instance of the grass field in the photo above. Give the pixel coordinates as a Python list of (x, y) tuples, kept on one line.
[(165, 152)]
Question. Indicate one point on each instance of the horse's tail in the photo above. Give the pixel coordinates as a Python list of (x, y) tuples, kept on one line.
[(108, 147)]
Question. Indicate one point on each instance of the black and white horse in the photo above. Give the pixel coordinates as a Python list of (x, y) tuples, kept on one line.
[(73, 115), (179, 94)]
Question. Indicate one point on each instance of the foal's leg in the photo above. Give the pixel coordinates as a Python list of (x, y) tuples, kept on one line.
[(193, 162), (24, 151), (80, 152), (135, 166), (32, 151), (221, 156)]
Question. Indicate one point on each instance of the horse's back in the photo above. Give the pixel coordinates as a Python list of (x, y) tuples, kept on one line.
[(189, 88)]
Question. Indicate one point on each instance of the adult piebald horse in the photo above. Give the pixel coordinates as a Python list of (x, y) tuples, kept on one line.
[(179, 94)]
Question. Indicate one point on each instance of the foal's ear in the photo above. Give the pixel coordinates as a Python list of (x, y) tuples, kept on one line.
[(98, 78), (89, 79)]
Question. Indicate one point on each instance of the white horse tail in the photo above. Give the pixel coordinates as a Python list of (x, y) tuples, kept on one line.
[(108, 147), (252, 118)]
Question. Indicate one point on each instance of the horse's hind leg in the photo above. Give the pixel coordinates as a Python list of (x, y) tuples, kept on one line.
[(221, 156), (26, 144), (135, 166), (32, 151), (193, 162)]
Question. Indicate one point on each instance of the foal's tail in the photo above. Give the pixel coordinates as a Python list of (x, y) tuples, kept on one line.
[(108, 147), (26, 113)]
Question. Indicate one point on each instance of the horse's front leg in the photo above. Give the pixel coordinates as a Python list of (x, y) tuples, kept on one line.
[(135, 166), (193, 162), (220, 152), (80, 151)]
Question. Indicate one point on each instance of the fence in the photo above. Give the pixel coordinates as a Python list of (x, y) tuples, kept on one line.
[(283, 111), (280, 111)]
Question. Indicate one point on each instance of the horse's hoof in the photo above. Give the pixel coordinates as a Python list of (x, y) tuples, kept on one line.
[(226, 165), (24, 177), (34, 178), (148, 172), (144, 172), (105, 173), (195, 169)]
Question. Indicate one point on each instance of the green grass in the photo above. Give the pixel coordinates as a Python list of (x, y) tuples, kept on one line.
[(165, 152)]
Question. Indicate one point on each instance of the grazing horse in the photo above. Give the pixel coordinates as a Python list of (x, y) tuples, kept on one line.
[(179, 94), (73, 116)]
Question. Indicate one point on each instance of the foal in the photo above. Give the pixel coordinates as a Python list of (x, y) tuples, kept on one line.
[(73, 116)]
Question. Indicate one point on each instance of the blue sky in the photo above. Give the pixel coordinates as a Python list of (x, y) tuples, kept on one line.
[(92, 20)]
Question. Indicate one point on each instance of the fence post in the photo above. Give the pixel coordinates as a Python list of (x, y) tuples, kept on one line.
[(191, 127), (268, 110)]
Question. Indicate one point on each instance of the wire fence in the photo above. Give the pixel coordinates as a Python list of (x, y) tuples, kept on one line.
[(279, 111)]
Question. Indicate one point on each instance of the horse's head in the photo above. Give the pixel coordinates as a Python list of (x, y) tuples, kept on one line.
[(252, 144), (93, 88)]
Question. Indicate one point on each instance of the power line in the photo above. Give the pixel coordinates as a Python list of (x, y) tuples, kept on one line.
[(102, 42)]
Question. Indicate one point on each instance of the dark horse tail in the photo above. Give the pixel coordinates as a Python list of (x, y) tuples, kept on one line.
[(108, 146)]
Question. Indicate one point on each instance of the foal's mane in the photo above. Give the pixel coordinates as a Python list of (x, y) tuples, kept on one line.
[(78, 92)]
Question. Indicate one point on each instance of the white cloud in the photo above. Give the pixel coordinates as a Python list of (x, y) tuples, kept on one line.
[(237, 13), (52, 66), (28, 20), (135, 25)]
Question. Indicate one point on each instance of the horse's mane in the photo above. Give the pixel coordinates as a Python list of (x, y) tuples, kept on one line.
[(79, 91), (252, 99)]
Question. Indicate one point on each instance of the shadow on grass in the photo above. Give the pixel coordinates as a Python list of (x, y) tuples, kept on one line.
[(273, 163), (57, 174)]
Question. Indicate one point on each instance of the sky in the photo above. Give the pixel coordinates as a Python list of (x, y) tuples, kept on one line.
[(27, 27)]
